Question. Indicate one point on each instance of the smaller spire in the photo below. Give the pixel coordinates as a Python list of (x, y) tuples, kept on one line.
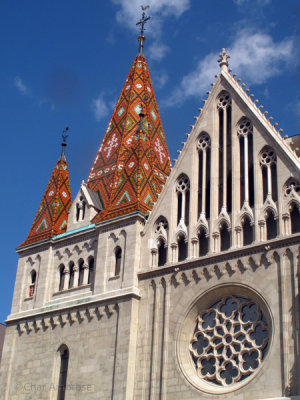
[(142, 22), (223, 60), (64, 144)]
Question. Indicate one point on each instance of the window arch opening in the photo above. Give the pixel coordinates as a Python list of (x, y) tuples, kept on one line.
[(63, 372), (91, 270), (118, 260), (162, 253), (72, 273), (224, 237), (81, 272), (247, 231), (271, 226), (182, 248), (32, 282), (295, 218), (203, 243), (183, 199), (61, 277)]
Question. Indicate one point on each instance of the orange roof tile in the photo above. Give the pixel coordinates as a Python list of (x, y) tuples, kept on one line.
[(132, 163), (52, 216)]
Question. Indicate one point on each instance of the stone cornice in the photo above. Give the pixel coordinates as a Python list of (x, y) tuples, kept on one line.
[(214, 259)]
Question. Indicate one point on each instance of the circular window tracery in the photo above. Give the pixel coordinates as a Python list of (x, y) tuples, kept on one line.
[(183, 184), (291, 186), (224, 339), (224, 100), (268, 157), (229, 341), (245, 127), (203, 141)]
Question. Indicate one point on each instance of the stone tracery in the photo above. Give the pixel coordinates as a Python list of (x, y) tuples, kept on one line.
[(229, 341)]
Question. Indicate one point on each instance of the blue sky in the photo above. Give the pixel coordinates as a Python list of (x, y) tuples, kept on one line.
[(63, 63)]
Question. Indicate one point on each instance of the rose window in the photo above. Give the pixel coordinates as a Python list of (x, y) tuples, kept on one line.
[(230, 340), (162, 226), (203, 142), (245, 127), (224, 101)]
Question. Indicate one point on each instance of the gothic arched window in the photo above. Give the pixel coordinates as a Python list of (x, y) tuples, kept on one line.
[(182, 248), (183, 199), (225, 155), (245, 134), (162, 253), (271, 225), (269, 172), (61, 277), (81, 272), (203, 242), (224, 236), (118, 260), (32, 282), (295, 218), (203, 146), (72, 273), (63, 372), (91, 270), (247, 231)]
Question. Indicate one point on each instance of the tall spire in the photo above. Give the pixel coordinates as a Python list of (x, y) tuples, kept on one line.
[(141, 23), (133, 161), (52, 216)]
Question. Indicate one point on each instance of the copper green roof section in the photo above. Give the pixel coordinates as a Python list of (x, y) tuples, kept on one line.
[(133, 161)]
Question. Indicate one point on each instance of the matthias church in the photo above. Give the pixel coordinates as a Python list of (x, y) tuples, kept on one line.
[(161, 282)]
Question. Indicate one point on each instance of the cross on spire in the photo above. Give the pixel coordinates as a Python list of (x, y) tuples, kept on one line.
[(64, 143), (141, 23)]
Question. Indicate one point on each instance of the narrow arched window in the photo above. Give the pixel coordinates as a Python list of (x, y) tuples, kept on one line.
[(91, 270), (81, 272), (247, 231), (245, 131), (162, 253), (61, 277), (72, 273), (118, 260), (32, 282), (225, 153), (269, 173), (183, 199), (224, 237), (63, 372), (271, 225), (203, 243), (203, 146), (295, 218), (182, 248)]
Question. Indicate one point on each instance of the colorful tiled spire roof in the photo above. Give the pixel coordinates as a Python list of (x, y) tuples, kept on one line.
[(133, 161), (52, 216)]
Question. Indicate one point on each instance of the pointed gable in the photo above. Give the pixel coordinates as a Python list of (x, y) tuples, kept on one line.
[(52, 216), (132, 163)]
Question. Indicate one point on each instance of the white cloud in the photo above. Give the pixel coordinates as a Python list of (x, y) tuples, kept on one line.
[(259, 2), (100, 107), (130, 13), (160, 79), (253, 56), (19, 84), (157, 51)]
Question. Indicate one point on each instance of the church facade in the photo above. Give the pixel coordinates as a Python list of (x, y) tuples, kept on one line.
[(161, 282)]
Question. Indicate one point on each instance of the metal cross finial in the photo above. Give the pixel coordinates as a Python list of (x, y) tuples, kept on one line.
[(142, 22), (64, 143), (223, 60)]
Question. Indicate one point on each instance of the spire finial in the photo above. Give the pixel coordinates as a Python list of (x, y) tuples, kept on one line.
[(142, 22), (64, 143), (223, 60)]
